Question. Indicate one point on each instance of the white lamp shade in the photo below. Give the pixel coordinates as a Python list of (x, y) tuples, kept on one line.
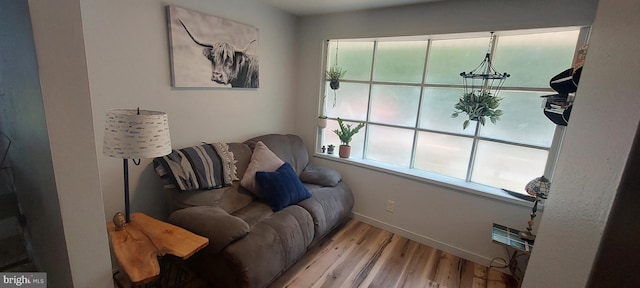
[(133, 134)]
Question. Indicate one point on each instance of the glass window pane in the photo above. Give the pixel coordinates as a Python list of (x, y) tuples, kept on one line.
[(448, 58), (507, 166), (523, 120), (355, 56), (330, 137), (443, 154), (351, 101), (390, 145), (533, 59), (395, 105), (436, 110), (401, 61)]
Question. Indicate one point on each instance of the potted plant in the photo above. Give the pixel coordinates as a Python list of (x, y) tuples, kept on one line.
[(322, 121), (330, 148), (345, 133), (334, 75), (478, 105)]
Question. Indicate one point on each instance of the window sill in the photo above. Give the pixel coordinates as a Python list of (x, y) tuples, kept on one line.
[(432, 178)]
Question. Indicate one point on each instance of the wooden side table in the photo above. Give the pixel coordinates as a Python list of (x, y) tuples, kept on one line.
[(508, 237), (138, 246)]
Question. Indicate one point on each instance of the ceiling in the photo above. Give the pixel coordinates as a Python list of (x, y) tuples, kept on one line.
[(311, 7)]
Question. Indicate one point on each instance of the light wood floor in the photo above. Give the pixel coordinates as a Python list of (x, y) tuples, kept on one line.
[(360, 255)]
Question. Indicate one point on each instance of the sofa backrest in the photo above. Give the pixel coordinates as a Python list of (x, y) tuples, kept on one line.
[(290, 148)]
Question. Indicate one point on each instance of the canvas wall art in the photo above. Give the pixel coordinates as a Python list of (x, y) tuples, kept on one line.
[(208, 51)]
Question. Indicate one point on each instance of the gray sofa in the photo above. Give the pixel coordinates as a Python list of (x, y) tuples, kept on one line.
[(250, 245)]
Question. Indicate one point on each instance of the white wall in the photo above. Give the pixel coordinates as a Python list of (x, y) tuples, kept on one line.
[(597, 145), (453, 221), (128, 62), (62, 67)]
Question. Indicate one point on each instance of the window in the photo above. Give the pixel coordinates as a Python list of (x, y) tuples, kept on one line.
[(405, 90)]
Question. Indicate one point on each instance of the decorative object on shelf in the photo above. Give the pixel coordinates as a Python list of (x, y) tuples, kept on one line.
[(538, 188), (135, 134), (345, 133), (322, 121), (119, 221), (330, 148), (324, 149), (557, 107), (481, 88)]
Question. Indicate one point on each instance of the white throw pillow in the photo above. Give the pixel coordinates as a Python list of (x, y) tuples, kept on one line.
[(262, 159)]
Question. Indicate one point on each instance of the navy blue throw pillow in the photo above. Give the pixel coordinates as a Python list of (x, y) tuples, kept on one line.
[(282, 188)]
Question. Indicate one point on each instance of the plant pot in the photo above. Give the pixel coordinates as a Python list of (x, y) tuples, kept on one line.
[(334, 85), (322, 123), (345, 151)]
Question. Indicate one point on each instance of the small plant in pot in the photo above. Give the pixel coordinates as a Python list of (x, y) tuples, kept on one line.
[(345, 133), (478, 105), (330, 148), (334, 75), (322, 121)]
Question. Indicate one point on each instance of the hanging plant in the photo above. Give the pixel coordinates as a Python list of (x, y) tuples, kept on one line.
[(478, 105), (334, 75)]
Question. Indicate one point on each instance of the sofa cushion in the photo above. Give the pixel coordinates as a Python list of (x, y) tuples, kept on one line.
[(273, 245), (290, 148), (282, 187), (213, 223), (319, 175), (261, 160), (230, 198), (328, 206)]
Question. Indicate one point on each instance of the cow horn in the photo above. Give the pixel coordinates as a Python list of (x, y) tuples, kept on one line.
[(194, 39), (247, 47)]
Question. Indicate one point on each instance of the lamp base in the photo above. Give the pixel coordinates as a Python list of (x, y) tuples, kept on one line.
[(527, 235)]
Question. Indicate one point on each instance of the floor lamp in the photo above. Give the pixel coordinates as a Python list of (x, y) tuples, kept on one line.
[(135, 134), (538, 188)]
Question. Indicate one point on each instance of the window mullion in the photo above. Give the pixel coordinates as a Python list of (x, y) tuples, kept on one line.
[(416, 128), (366, 128)]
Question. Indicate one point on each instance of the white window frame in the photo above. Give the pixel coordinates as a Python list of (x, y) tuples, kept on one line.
[(434, 178)]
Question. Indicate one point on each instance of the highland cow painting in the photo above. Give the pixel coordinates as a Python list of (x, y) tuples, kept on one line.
[(208, 51)]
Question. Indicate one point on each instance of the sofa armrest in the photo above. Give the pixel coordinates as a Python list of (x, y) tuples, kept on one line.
[(213, 223), (314, 174)]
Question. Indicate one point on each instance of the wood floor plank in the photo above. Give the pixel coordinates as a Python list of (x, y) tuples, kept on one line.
[(360, 255), (466, 279), (308, 270), (358, 259), (448, 271), (421, 268), (393, 265)]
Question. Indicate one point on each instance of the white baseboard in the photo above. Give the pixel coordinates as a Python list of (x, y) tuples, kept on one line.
[(457, 251)]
